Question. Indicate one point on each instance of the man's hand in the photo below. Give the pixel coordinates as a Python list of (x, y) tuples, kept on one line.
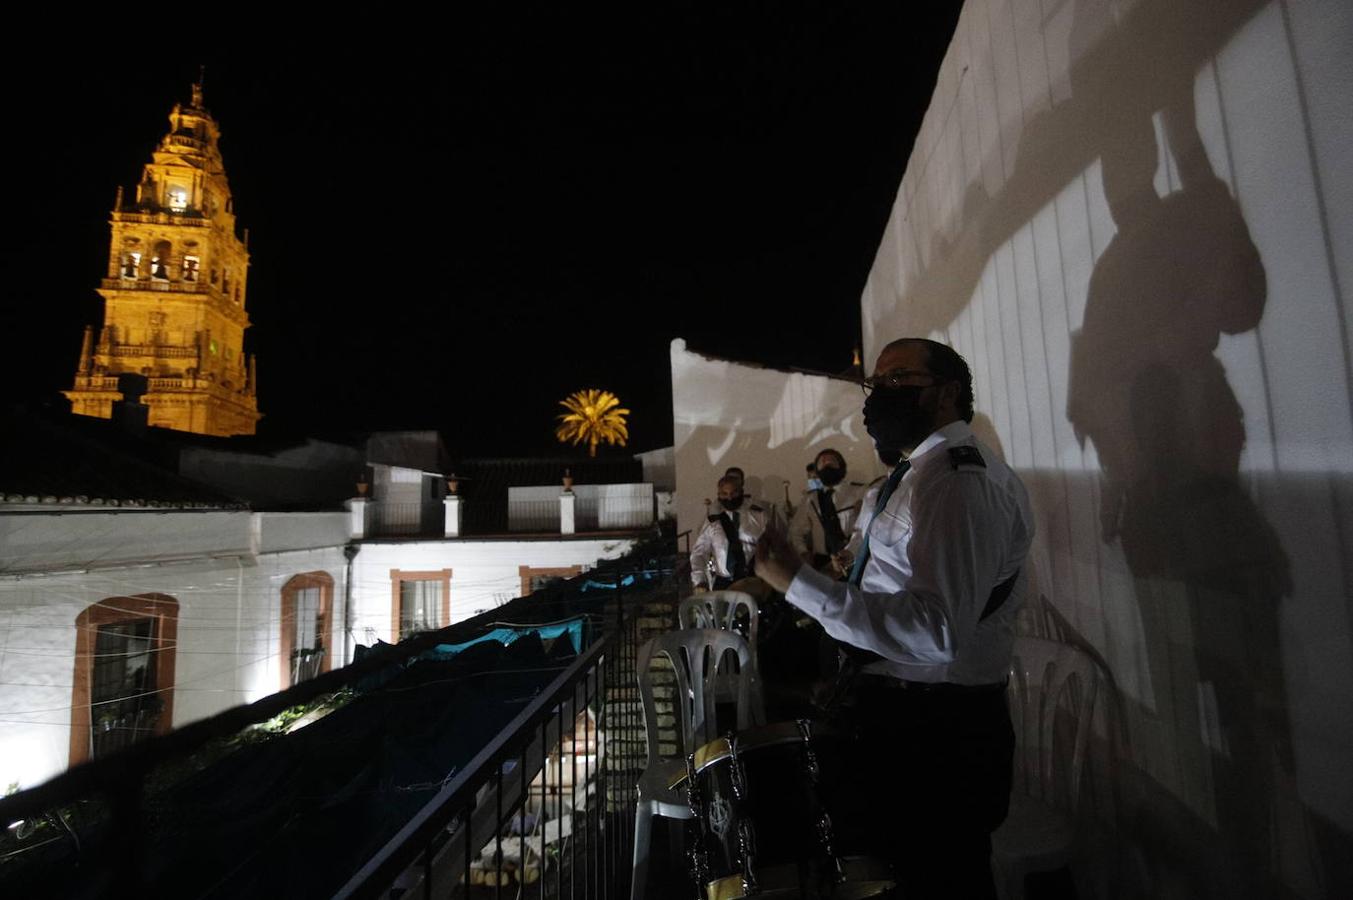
[(776, 561)]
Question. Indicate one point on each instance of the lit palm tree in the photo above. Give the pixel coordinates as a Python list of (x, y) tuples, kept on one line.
[(593, 416)]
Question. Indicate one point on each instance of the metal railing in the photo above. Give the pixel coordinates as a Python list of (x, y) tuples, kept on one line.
[(161, 351), (158, 284), (388, 518), (123, 729), (184, 217), (506, 817), (306, 663), (533, 515)]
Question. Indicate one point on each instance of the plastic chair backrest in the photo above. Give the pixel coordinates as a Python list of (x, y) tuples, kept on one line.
[(695, 654), (728, 610), (1047, 677)]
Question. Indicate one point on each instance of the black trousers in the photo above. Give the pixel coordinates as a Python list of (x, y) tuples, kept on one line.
[(928, 780)]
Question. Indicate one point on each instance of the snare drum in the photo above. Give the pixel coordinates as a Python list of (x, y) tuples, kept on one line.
[(762, 825)]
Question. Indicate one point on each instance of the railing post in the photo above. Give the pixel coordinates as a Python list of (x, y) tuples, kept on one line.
[(356, 517), (567, 520), (453, 515)]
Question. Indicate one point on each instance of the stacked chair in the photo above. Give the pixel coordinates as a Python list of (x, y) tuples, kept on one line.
[(732, 611), (1054, 689), (702, 659)]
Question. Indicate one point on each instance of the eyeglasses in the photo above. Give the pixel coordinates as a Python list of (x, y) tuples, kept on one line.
[(898, 378)]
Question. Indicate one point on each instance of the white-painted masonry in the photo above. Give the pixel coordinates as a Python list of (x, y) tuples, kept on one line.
[(226, 571)]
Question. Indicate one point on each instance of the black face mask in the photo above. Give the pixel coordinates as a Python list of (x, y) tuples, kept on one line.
[(831, 476), (895, 418), (731, 503)]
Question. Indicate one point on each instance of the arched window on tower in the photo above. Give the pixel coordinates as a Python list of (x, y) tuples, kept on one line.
[(123, 685), (131, 264), (225, 280), (191, 265), (178, 198), (159, 261)]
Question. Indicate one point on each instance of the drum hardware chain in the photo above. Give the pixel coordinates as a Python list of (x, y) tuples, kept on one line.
[(699, 853), (747, 845), (825, 834), (809, 757), (826, 838), (746, 830), (736, 772)]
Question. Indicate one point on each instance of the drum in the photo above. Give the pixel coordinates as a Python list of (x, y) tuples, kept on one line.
[(762, 826)]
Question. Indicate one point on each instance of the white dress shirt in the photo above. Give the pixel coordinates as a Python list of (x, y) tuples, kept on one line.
[(806, 532), (711, 545), (948, 535)]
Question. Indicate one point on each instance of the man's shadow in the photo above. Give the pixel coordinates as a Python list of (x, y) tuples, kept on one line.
[(1147, 389)]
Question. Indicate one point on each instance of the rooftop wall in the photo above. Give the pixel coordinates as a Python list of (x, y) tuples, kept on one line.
[(1135, 220), (769, 422)]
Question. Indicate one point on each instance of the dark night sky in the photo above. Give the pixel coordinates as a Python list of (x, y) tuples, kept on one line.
[(456, 236)]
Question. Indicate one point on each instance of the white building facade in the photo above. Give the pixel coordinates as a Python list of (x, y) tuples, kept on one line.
[(117, 623)]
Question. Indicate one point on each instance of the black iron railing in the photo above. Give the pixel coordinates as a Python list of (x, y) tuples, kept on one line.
[(519, 818)]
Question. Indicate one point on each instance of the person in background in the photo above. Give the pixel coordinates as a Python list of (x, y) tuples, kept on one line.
[(725, 548), (751, 499), (822, 524), (814, 483)]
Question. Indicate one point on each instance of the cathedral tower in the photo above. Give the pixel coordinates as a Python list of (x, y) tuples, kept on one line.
[(174, 295)]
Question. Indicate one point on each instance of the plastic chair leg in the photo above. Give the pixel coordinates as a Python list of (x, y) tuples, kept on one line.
[(643, 831)]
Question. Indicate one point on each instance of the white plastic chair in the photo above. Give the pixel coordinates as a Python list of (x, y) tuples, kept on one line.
[(1040, 833), (695, 654), (734, 611)]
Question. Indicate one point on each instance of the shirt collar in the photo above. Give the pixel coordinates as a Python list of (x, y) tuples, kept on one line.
[(951, 433)]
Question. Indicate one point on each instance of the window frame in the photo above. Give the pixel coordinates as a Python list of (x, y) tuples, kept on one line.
[(287, 636), (529, 572), (161, 608), (398, 577)]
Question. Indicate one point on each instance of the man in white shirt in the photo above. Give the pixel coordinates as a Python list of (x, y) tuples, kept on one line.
[(930, 606), (725, 549), (821, 527)]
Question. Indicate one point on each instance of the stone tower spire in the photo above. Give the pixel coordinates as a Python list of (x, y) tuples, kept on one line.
[(174, 295)]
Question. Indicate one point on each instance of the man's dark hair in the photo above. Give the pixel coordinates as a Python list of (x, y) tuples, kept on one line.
[(944, 362), (730, 479), (735, 472), (841, 460)]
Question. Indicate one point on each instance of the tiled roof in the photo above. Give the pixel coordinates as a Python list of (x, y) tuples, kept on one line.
[(45, 460)]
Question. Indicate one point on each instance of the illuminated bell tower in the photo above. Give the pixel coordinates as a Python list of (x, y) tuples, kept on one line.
[(174, 294)]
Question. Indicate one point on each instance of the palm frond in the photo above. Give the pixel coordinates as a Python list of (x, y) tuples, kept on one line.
[(593, 416)]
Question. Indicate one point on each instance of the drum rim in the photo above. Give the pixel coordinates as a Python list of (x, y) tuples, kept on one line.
[(785, 876), (750, 740)]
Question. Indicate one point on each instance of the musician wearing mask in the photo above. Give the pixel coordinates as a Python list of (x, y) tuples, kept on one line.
[(822, 524), (930, 604), (725, 549)]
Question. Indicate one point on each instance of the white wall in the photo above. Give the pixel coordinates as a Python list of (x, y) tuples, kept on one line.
[(659, 467), (768, 422), (1135, 220), (227, 571), (598, 507), (228, 648)]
